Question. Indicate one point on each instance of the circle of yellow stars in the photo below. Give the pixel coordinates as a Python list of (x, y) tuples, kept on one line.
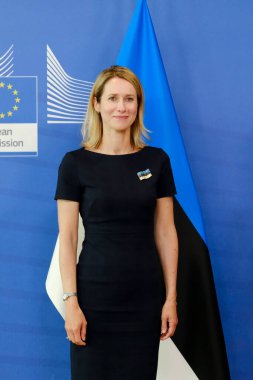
[(17, 100)]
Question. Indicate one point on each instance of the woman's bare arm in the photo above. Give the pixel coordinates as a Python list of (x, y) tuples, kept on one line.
[(68, 216), (167, 245)]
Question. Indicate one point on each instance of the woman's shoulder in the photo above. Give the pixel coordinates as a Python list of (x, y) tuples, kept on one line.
[(73, 154), (157, 151), (154, 149), (70, 158)]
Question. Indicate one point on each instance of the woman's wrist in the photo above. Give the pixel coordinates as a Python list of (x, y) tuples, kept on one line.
[(67, 295), (172, 298), (71, 302)]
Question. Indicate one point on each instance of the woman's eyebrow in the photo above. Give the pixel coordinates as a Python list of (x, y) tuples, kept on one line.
[(119, 94)]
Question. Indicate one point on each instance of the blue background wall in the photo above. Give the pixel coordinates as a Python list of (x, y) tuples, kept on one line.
[(207, 52)]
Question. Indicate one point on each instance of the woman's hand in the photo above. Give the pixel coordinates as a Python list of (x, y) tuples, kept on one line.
[(75, 322), (169, 317)]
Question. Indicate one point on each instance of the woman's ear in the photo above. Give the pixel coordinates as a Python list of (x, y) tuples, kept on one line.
[(96, 104)]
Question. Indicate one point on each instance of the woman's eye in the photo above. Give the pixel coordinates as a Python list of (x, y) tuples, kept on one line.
[(130, 99), (112, 98)]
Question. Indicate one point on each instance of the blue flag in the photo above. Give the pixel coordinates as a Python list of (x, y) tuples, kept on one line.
[(140, 52), (199, 335), (18, 100)]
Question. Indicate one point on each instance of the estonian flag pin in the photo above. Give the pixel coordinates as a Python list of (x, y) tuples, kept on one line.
[(145, 174)]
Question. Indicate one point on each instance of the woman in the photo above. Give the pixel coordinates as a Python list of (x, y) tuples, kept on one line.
[(121, 297)]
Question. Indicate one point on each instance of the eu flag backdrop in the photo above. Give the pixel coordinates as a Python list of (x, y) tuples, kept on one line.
[(18, 100), (18, 116), (199, 335)]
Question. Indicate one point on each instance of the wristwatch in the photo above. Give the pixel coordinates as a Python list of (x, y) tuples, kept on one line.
[(67, 295)]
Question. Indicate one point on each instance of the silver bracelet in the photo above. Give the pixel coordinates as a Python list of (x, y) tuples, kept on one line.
[(67, 295)]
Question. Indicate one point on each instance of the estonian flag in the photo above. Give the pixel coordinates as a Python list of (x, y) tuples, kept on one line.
[(199, 335)]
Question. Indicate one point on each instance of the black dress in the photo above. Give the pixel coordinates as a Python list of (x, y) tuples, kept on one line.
[(120, 282)]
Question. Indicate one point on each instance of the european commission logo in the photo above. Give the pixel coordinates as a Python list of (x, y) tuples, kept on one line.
[(67, 101), (18, 111)]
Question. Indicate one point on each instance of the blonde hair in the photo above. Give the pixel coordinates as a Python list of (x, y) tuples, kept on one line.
[(92, 129)]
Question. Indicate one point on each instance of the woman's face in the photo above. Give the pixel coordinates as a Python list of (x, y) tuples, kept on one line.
[(118, 104)]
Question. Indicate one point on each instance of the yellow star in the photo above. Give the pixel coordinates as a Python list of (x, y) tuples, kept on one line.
[(9, 113), (15, 108), (2, 84), (2, 115), (15, 92), (9, 86), (17, 100)]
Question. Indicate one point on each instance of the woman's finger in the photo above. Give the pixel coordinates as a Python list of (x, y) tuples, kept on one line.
[(83, 331), (71, 336), (77, 337), (164, 326), (170, 331)]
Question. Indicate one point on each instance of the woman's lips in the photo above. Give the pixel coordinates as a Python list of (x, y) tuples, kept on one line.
[(120, 117)]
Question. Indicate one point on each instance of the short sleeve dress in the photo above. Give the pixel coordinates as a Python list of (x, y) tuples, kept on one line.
[(120, 283)]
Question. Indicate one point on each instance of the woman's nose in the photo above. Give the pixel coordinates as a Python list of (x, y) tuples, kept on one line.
[(121, 105)]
